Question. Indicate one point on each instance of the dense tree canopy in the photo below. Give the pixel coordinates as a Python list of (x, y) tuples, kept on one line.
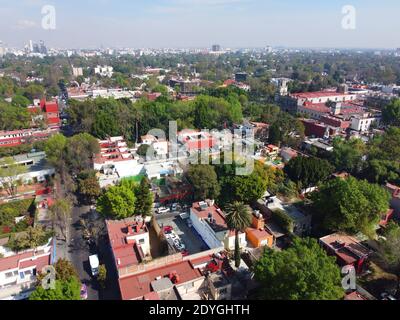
[(302, 272), (350, 205), (391, 113), (308, 172), (204, 181), (118, 202)]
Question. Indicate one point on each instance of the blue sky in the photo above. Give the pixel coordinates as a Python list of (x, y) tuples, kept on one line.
[(200, 23)]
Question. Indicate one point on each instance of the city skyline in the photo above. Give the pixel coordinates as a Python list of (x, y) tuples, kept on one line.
[(199, 24)]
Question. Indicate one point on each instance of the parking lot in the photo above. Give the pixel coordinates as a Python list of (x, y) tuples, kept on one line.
[(188, 235)]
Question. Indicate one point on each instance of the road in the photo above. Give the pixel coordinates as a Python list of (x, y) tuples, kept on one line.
[(79, 252)]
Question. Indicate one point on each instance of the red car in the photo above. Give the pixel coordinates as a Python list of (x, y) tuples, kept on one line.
[(168, 229)]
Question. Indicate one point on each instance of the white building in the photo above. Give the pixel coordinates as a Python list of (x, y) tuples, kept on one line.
[(38, 168), (18, 271), (363, 123), (160, 146), (104, 71), (209, 222)]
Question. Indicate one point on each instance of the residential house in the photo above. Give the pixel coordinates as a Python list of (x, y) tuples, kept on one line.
[(210, 223), (347, 250)]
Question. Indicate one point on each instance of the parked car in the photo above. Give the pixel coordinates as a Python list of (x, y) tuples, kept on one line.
[(84, 293), (175, 207), (168, 229), (163, 210)]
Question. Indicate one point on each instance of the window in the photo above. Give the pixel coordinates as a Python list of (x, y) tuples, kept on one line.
[(9, 275), (22, 275), (141, 241)]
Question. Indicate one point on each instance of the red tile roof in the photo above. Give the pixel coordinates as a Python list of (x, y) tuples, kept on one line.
[(138, 286), (318, 94)]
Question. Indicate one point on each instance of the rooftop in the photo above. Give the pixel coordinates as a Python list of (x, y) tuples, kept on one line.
[(346, 247), (212, 214), (122, 240), (140, 285)]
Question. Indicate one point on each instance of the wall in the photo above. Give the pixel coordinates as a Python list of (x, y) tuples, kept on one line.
[(204, 231)]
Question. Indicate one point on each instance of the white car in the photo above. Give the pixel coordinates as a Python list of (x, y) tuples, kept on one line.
[(163, 210)]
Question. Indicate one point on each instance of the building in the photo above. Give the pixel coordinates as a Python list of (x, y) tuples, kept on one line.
[(322, 97), (104, 71), (48, 111), (159, 145), (38, 169), (17, 137), (174, 189), (77, 72), (362, 123), (18, 271), (347, 250), (130, 242), (395, 197), (288, 153), (257, 235), (195, 140), (301, 221), (215, 48), (209, 222)]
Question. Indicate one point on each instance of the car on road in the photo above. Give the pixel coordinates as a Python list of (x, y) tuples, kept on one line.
[(84, 293), (175, 207), (94, 264), (163, 210)]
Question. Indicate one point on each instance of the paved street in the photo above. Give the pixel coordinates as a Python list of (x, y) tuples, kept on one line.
[(79, 252)]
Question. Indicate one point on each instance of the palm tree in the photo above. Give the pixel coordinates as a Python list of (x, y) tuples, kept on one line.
[(238, 218)]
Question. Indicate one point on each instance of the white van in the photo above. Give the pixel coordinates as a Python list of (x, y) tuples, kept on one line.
[(94, 264)]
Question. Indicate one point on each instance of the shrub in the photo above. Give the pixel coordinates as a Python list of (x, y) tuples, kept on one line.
[(283, 220)]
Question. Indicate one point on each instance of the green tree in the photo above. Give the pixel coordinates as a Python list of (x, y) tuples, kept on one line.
[(117, 202), (348, 155), (238, 218), (204, 181), (389, 250), (144, 198), (32, 238), (102, 276), (350, 205), (54, 148), (64, 290), (391, 113), (65, 270), (11, 174), (20, 101), (308, 171), (88, 185), (60, 212), (302, 272)]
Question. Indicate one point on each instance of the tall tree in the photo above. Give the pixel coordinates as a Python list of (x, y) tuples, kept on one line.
[(144, 198), (60, 212), (117, 202), (389, 250), (302, 272), (308, 172), (350, 205), (238, 218), (204, 181), (11, 174), (391, 113)]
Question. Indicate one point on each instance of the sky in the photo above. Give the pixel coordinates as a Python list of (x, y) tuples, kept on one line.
[(201, 23)]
